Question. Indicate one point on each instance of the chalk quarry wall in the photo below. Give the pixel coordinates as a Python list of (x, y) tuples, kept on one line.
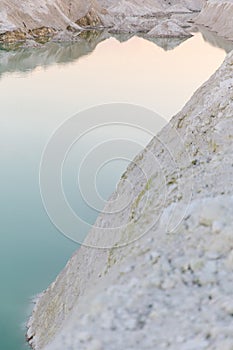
[(31, 14), (217, 15), (60, 14), (172, 288)]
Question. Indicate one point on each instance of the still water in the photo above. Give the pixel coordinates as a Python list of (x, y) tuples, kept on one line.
[(39, 89)]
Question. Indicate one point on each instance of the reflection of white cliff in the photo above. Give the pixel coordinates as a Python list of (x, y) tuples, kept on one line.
[(215, 40), (28, 58), (25, 59)]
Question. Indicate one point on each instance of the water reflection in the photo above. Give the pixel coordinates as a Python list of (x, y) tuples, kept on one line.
[(24, 59), (167, 43), (14, 59), (215, 40)]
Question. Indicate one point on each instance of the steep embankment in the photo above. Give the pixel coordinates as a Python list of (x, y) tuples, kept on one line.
[(172, 288), (146, 7), (217, 16), (23, 17)]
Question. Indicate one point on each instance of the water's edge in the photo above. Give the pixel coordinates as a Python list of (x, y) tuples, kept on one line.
[(58, 300)]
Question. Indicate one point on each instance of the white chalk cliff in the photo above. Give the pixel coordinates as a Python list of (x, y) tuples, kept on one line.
[(33, 14), (217, 15), (137, 7), (124, 15), (171, 288)]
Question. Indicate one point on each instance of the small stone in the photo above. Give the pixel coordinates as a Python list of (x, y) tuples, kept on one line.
[(227, 306), (95, 345), (84, 337), (229, 261), (217, 226), (226, 345), (152, 257), (208, 273), (211, 255), (153, 315), (195, 344), (196, 264), (179, 339)]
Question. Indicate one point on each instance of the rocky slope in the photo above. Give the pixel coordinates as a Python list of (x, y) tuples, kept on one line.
[(148, 7), (168, 29), (137, 16), (43, 17), (217, 16), (165, 282), (39, 19)]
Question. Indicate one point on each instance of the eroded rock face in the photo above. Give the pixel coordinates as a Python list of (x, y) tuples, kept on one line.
[(172, 288), (217, 16), (130, 16), (18, 36), (12, 37), (91, 19), (43, 18), (148, 7), (42, 32)]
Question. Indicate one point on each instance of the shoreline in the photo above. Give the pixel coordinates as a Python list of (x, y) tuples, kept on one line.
[(193, 261), (205, 126)]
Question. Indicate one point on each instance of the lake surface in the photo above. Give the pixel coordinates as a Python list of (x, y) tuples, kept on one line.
[(40, 89)]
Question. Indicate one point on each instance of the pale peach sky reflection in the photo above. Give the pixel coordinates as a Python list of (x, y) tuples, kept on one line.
[(140, 72), (136, 71)]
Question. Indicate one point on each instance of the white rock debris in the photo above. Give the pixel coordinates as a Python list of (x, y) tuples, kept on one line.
[(172, 287), (217, 16), (167, 29)]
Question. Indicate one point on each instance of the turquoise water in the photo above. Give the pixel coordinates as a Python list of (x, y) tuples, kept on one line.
[(41, 88)]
